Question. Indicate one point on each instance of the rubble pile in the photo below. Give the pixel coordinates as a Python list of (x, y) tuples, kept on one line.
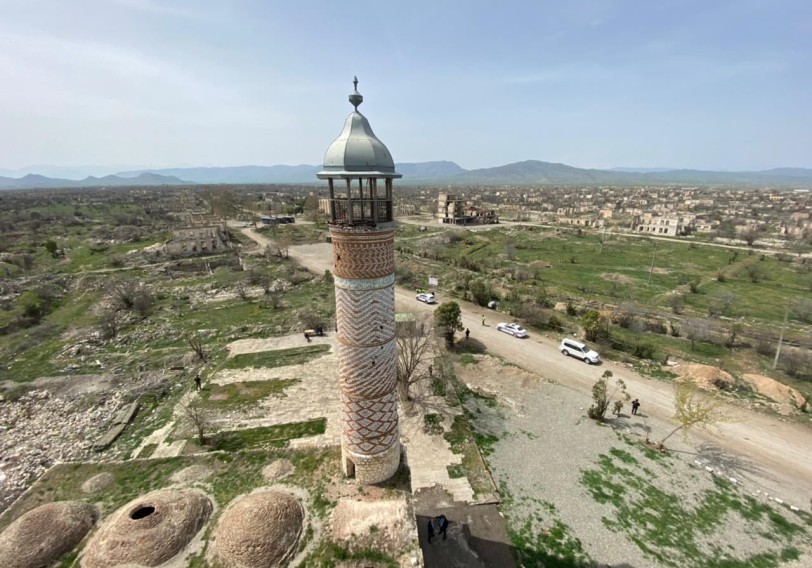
[(40, 429)]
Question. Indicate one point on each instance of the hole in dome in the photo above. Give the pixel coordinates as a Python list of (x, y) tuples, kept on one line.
[(142, 512)]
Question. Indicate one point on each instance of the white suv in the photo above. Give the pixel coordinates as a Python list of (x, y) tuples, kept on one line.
[(579, 350)]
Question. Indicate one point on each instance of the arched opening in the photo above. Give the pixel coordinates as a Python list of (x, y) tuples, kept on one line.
[(142, 512)]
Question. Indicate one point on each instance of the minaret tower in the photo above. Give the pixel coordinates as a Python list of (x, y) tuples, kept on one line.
[(359, 170)]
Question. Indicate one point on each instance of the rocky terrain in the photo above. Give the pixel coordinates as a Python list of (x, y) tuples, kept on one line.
[(58, 420)]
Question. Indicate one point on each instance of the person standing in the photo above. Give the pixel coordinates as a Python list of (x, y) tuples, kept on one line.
[(467, 332), (635, 406), (483, 320), (198, 381), (438, 525)]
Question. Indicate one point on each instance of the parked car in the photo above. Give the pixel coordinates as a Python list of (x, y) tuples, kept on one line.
[(579, 350), (513, 329), (426, 298)]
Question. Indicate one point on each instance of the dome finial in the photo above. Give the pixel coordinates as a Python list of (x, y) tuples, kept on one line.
[(355, 98)]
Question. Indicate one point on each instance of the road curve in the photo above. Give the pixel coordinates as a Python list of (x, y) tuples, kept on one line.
[(776, 445)]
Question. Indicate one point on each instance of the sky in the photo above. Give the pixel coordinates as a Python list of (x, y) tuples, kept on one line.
[(707, 84)]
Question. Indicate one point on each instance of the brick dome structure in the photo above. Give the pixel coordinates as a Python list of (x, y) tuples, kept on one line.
[(260, 530), (41, 536), (149, 530)]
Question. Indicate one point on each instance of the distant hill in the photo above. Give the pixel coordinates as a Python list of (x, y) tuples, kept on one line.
[(529, 172), (292, 174), (238, 174), (536, 172), (35, 181)]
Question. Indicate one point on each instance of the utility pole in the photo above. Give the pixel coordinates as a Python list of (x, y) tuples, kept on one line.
[(653, 256), (781, 337)]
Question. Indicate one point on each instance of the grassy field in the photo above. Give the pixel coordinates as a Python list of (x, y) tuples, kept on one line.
[(665, 285)]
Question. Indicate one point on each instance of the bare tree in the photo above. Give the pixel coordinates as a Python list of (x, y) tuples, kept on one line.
[(690, 412), (796, 362), (133, 296), (721, 302), (242, 291), (696, 329), (750, 235), (283, 242), (109, 323), (196, 344), (198, 418), (414, 343)]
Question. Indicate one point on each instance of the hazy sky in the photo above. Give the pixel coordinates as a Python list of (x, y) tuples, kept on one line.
[(714, 84)]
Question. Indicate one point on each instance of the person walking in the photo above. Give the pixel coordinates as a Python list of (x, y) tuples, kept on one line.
[(483, 320), (635, 406), (198, 381)]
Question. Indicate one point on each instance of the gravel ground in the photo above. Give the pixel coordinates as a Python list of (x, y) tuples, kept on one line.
[(545, 444)]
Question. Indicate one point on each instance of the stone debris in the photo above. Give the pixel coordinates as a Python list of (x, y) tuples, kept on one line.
[(39, 429)]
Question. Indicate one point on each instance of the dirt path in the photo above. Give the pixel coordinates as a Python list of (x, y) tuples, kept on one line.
[(779, 446)]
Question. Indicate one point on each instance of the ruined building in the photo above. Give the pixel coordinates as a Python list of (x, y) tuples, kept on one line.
[(359, 171)]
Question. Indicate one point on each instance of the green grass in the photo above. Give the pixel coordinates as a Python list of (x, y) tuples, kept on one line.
[(267, 436), (240, 394), (538, 537), (678, 530), (277, 358), (328, 554), (33, 352)]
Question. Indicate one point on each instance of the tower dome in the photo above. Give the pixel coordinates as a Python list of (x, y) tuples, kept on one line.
[(357, 151)]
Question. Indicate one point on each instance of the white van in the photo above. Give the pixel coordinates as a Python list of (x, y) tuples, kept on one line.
[(580, 350)]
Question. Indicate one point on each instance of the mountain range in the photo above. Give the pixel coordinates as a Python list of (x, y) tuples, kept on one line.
[(528, 172)]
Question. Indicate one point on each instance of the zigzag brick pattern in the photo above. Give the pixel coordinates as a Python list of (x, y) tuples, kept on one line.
[(364, 266), (365, 317), (373, 371)]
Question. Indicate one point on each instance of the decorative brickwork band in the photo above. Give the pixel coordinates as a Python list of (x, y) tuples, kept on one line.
[(367, 373), (365, 317), (363, 254), (369, 426)]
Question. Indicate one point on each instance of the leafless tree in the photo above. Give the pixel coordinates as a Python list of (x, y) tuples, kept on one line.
[(109, 323), (721, 302), (696, 329), (415, 349), (242, 291), (198, 418), (131, 295), (750, 235), (196, 344), (801, 308), (283, 243), (796, 362)]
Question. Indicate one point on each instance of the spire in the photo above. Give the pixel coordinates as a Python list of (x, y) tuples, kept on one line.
[(355, 97)]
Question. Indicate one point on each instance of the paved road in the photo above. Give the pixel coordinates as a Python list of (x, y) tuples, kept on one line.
[(781, 447)]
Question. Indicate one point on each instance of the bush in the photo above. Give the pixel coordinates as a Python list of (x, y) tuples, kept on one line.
[(765, 347)]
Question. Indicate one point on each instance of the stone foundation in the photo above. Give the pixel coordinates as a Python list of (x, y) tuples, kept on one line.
[(371, 469)]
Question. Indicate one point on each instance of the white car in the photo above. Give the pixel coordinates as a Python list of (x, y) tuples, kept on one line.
[(513, 329), (572, 348), (426, 298)]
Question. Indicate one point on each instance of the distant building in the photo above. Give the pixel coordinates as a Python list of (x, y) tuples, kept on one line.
[(449, 209), (658, 225), (453, 211)]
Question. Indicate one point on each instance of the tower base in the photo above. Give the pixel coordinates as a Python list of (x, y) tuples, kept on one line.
[(371, 469)]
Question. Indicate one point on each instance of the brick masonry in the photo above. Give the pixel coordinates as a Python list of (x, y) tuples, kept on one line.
[(364, 269)]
